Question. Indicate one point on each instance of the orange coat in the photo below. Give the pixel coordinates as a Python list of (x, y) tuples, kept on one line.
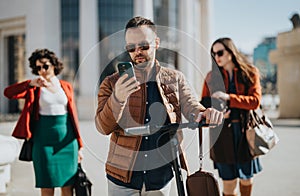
[(239, 100), (22, 129), (222, 150)]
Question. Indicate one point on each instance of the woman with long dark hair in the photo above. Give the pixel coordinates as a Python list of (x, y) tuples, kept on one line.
[(241, 92)]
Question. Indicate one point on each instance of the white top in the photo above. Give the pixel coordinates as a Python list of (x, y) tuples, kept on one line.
[(53, 101)]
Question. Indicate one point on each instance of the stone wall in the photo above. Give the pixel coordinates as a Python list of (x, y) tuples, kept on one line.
[(287, 57)]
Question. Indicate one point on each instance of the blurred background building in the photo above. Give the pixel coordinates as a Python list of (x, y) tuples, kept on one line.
[(73, 29), (268, 70), (88, 37), (287, 58)]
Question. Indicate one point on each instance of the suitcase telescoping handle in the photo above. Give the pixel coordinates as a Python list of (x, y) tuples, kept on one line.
[(200, 148), (202, 123)]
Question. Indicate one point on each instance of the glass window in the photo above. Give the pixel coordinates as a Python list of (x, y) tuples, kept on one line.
[(113, 15), (70, 37)]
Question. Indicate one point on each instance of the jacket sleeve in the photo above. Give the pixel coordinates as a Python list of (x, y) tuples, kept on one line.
[(189, 103), (250, 101), (205, 89), (109, 110), (18, 90)]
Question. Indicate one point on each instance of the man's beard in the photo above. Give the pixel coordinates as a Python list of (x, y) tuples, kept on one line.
[(142, 63)]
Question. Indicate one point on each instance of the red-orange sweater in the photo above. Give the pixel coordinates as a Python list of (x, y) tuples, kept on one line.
[(239, 100)]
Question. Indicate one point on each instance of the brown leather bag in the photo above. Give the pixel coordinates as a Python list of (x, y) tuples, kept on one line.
[(202, 183)]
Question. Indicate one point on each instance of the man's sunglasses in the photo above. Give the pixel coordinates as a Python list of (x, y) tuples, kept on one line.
[(39, 68), (219, 53), (142, 45)]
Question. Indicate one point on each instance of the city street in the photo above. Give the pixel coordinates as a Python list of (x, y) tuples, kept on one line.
[(61, 59), (279, 176)]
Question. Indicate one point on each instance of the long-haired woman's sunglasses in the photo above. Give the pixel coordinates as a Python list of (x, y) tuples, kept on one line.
[(144, 45), (39, 68), (219, 53)]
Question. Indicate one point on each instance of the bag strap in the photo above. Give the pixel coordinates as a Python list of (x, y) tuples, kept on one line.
[(252, 113), (35, 102), (34, 108), (254, 117), (263, 119)]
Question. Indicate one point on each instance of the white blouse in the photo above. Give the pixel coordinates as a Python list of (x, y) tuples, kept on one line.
[(53, 103)]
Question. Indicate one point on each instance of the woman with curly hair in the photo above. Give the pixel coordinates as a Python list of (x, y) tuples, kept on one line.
[(49, 118)]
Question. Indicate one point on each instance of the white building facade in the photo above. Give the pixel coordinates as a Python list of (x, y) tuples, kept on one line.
[(85, 51)]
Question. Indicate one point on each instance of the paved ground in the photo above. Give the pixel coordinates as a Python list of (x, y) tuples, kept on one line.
[(280, 175)]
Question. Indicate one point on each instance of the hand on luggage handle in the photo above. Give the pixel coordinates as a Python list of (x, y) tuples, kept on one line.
[(149, 129), (172, 129)]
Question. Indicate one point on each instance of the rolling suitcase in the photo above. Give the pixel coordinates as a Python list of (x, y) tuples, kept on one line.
[(202, 183)]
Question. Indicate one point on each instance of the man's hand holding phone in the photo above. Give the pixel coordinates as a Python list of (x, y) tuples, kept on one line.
[(127, 83)]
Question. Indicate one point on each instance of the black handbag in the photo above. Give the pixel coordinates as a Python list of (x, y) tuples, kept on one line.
[(26, 150), (82, 186)]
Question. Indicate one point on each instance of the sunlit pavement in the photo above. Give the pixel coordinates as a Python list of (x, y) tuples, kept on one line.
[(280, 175)]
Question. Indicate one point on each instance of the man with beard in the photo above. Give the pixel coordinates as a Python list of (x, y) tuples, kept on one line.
[(141, 165)]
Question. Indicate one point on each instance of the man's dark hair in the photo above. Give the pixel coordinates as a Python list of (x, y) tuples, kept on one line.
[(139, 21)]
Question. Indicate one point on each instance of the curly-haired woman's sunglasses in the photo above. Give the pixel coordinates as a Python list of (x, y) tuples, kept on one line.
[(39, 68)]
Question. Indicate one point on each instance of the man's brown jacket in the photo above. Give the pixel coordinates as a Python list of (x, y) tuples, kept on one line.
[(113, 117)]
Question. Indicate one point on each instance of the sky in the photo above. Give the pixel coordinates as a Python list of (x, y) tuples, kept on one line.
[(247, 22)]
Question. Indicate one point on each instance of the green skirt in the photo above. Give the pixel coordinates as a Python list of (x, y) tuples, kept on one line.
[(55, 152)]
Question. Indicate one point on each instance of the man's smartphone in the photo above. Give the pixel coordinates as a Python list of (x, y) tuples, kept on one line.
[(126, 68)]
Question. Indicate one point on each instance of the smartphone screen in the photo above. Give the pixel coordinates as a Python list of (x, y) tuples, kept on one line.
[(126, 68)]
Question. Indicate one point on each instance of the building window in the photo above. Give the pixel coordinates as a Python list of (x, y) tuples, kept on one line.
[(16, 66), (113, 15), (70, 37), (166, 16)]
